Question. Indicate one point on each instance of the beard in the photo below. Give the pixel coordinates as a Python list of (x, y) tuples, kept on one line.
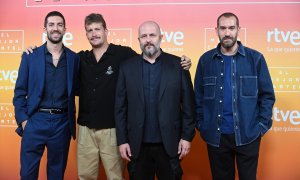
[(228, 45), (150, 52), (55, 41)]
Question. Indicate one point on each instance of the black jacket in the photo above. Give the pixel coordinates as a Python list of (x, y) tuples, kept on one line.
[(176, 104)]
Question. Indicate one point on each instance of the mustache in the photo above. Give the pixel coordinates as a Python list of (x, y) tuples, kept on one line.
[(55, 31), (95, 37), (148, 44), (227, 37)]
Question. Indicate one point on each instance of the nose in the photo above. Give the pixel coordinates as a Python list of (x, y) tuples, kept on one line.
[(55, 27), (227, 32), (148, 38)]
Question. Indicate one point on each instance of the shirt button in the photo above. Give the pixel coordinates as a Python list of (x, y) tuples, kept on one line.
[(220, 101), (96, 78), (221, 87), (234, 100), (219, 115), (221, 61), (221, 74), (218, 129), (232, 74), (94, 90)]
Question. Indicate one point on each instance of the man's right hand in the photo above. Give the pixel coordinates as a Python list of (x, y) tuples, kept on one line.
[(24, 124), (30, 49), (125, 151)]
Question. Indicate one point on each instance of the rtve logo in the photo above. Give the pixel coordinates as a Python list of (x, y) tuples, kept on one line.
[(291, 116), (9, 75), (176, 37), (278, 36)]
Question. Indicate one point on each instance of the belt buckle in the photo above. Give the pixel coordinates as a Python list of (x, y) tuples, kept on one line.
[(51, 111), (54, 111)]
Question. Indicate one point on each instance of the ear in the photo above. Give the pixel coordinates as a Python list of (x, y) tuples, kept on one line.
[(106, 32), (161, 36), (65, 30), (216, 30)]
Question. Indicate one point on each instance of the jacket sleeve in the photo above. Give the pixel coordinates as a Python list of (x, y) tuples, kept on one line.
[(266, 96), (198, 81), (188, 107), (121, 108), (77, 75), (20, 92)]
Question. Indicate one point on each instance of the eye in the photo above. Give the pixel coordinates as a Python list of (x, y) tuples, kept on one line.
[(60, 24), (143, 36)]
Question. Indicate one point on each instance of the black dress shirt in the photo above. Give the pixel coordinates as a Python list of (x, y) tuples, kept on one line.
[(151, 81), (55, 94), (97, 86)]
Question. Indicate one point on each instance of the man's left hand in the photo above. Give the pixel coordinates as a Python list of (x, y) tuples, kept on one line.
[(186, 62), (183, 148)]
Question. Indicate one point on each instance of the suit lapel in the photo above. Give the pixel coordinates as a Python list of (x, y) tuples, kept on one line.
[(40, 59), (138, 69), (164, 77), (70, 69)]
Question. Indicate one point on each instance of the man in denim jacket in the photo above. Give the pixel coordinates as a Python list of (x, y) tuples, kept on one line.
[(234, 101)]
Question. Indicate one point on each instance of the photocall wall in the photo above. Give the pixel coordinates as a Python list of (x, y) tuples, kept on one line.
[(271, 27)]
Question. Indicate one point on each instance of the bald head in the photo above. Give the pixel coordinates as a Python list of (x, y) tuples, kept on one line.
[(149, 25)]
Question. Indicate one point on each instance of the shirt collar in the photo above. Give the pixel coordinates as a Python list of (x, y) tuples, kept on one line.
[(157, 59), (47, 51), (110, 50), (240, 51)]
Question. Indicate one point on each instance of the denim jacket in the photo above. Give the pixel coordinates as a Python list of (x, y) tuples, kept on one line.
[(252, 95)]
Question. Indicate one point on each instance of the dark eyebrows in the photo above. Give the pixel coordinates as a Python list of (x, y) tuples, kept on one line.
[(225, 27)]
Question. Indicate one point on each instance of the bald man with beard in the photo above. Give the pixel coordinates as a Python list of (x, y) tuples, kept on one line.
[(154, 110)]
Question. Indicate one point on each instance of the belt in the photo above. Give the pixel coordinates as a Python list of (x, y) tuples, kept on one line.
[(53, 110)]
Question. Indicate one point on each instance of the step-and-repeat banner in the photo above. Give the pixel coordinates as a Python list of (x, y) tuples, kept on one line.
[(271, 27)]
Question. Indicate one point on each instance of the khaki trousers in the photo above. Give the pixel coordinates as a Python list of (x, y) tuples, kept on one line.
[(95, 146)]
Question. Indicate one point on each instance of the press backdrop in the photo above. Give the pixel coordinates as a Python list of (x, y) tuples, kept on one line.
[(271, 27)]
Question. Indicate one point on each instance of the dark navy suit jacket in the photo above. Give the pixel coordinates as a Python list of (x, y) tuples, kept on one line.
[(30, 85)]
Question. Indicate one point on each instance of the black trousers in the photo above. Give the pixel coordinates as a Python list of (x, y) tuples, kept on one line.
[(153, 160), (222, 159)]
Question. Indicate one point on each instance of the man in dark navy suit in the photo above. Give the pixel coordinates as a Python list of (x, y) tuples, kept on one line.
[(44, 101), (154, 110)]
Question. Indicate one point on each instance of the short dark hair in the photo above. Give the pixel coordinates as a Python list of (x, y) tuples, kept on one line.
[(94, 18), (227, 15), (54, 13)]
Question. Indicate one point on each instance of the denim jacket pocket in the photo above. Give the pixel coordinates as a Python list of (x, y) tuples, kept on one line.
[(248, 86), (209, 86)]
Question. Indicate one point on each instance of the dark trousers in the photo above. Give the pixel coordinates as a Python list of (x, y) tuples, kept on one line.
[(222, 159), (153, 160), (45, 130)]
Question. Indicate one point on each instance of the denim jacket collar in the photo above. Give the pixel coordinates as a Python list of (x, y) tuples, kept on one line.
[(241, 50)]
